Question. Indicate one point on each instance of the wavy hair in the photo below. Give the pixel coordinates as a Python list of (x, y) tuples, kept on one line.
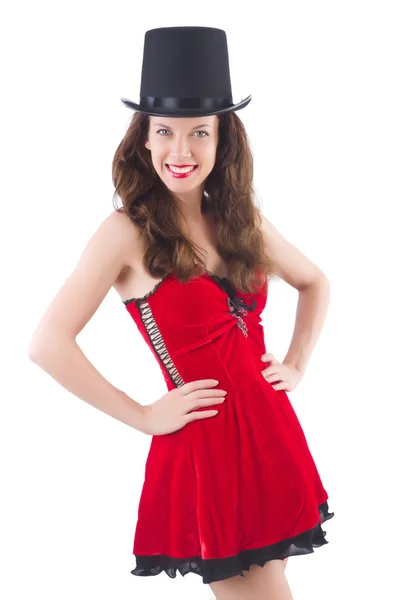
[(228, 195)]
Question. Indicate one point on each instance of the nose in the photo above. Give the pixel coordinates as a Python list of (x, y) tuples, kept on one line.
[(180, 147)]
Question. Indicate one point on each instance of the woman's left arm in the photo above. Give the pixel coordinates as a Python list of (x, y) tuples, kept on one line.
[(313, 286), (311, 311)]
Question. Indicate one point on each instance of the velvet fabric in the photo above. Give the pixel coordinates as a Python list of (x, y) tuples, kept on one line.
[(232, 490)]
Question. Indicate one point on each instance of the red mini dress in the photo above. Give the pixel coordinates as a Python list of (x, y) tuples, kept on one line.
[(232, 490)]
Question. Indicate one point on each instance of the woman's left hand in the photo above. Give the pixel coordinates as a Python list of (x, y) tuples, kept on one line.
[(286, 376)]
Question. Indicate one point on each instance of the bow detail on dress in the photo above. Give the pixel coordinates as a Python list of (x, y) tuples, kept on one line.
[(235, 300)]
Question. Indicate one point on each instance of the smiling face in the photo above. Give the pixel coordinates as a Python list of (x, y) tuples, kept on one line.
[(176, 141)]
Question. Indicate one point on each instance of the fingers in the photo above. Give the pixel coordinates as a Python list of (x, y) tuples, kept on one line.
[(267, 357), (193, 416), (199, 402), (197, 384)]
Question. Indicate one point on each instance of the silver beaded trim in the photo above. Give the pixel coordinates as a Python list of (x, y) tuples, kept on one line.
[(158, 343)]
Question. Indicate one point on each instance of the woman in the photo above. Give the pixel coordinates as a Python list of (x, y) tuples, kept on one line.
[(231, 488)]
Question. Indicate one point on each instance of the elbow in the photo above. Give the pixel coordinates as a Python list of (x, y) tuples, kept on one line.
[(322, 277), (34, 347), (33, 355), (319, 280), (35, 351), (327, 283), (43, 344)]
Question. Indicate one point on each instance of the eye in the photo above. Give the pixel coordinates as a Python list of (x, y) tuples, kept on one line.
[(199, 131)]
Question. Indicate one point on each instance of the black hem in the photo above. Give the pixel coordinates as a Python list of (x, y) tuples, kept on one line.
[(217, 569)]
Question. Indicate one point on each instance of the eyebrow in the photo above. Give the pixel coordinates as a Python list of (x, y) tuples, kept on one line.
[(168, 127)]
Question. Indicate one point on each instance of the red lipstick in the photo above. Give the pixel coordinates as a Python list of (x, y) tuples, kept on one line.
[(181, 175)]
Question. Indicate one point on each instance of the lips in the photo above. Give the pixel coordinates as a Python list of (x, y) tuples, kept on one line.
[(181, 166), (181, 175)]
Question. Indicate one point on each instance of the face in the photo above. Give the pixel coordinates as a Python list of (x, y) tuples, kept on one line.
[(176, 141)]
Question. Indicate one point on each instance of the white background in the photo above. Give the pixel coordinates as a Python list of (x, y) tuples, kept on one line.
[(322, 125)]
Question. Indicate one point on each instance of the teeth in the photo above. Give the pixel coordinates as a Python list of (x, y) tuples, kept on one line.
[(184, 170)]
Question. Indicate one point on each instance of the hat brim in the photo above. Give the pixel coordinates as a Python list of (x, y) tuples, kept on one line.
[(184, 112)]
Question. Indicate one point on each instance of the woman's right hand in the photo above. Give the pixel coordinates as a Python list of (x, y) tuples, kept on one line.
[(172, 411)]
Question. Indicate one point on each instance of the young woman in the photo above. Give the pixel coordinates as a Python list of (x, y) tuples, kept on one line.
[(231, 489)]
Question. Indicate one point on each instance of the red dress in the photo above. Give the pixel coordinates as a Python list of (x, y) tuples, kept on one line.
[(232, 490)]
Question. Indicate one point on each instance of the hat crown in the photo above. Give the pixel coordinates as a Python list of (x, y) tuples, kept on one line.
[(186, 62), (185, 72)]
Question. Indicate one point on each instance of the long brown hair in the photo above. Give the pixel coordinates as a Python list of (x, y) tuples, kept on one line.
[(228, 196)]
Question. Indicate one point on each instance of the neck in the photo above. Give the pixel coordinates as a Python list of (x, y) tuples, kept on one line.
[(190, 205)]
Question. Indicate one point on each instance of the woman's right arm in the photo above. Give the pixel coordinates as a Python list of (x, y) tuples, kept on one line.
[(53, 346)]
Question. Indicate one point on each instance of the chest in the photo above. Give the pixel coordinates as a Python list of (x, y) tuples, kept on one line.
[(135, 282)]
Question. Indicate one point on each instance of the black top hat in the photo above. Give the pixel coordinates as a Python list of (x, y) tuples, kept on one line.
[(185, 73)]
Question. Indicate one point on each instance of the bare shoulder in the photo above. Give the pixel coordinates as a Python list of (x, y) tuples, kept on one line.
[(119, 225), (287, 262), (103, 258)]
